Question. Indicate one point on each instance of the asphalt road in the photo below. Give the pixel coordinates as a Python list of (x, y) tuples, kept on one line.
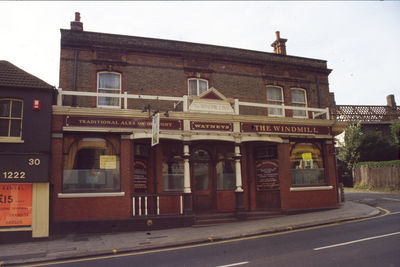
[(372, 242)]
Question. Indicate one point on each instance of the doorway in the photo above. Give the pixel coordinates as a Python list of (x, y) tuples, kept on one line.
[(204, 186)]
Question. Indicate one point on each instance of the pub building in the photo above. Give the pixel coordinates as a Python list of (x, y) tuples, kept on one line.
[(25, 133), (152, 133)]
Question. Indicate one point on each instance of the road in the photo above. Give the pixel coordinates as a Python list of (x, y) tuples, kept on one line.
[(371, 242)]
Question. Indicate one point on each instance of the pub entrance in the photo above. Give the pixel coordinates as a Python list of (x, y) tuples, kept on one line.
[(213, 179), (267, 195), (204, 186)]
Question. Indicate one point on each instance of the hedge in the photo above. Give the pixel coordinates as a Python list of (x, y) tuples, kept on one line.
[(379, 163)]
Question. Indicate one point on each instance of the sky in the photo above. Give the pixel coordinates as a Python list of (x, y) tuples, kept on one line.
[(359, 40)]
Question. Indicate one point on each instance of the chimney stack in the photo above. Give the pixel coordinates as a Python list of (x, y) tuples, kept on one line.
[(77, 25), (390, 101), (279, 44)]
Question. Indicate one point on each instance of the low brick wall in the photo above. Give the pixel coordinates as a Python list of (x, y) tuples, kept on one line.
[(378, 177)]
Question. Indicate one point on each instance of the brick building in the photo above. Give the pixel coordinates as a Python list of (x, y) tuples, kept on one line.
[(25, 133), (240, 132)]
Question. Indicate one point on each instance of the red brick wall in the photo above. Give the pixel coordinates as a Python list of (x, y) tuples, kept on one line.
[(307, 199), (75, 209), (167, 75)]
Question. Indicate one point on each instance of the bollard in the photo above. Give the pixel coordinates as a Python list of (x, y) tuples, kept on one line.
[(341, 190)]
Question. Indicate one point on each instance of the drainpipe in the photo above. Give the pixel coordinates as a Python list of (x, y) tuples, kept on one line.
[(318, 91), (75, 76)]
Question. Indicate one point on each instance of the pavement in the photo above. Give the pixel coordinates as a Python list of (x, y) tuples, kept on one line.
[(79, 245)]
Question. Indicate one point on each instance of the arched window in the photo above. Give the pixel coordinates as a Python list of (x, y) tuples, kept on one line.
[(110, 83), (275, 97), (201, 160), (197, 86), (11, 111), (225, 171), (172, 167), (307, 164), (91, 164), (299, 99)]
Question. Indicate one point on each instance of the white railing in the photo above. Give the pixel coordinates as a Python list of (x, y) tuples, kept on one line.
[(316, 112), (141, 207)]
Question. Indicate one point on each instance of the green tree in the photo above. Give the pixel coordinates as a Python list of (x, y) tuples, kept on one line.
[(377, 147), (395, 130), (349, 152)]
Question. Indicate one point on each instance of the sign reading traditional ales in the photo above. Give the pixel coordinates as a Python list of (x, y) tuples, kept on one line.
[(267, 175), (285, 129), (15, 204), (22, 168), (111, 122), (140, 176)]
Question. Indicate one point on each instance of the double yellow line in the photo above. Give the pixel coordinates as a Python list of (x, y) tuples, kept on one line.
[(212, 242)]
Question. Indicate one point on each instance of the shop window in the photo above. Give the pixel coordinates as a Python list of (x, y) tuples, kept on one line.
[(275, 97), (299, 99), (307, 164), (172, 168), (110, 83), (11, 111), (197, 86), (225, 170), (91, 164)]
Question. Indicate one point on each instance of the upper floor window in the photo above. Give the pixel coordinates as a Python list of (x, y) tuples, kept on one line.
[(11, 111), (275, 97), (299, 99), (108, 82), (197, 86)]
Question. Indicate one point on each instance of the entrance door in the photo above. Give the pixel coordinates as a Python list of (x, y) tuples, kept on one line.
[(202, 179)]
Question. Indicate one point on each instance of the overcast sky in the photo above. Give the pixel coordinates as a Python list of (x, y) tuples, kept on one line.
[(359, 40)]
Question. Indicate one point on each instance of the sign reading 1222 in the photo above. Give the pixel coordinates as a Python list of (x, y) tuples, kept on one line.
[(24, 168)]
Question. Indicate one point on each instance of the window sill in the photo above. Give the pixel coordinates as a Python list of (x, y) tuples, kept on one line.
[(310, 188), (86, 195), (11, 140), (16, 229)]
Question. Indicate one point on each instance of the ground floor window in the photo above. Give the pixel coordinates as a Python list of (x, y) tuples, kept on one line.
[(91, 164), (172, 167), (307, 164)]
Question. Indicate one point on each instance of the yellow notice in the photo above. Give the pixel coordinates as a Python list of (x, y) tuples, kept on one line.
[(306, 156), (108, 162)]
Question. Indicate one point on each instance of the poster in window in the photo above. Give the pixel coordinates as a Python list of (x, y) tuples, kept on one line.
[(15, 204), (140, 176), (108, 162), (267, 176)]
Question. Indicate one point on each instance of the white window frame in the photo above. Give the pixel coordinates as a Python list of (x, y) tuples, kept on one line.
[(198, 85), (300, 104), (271, 114), (8, 138), (117, 91)]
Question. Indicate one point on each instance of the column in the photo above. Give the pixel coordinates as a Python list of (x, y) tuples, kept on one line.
[(186, 168), (238, 169), (187, 192), (240, 213)]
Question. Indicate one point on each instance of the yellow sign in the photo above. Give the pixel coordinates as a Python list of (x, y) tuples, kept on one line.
[(15, 204), (306, 156), (108, 162)]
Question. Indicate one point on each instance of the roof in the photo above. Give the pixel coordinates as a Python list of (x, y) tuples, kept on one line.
[(74, 38), (12, 76)]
